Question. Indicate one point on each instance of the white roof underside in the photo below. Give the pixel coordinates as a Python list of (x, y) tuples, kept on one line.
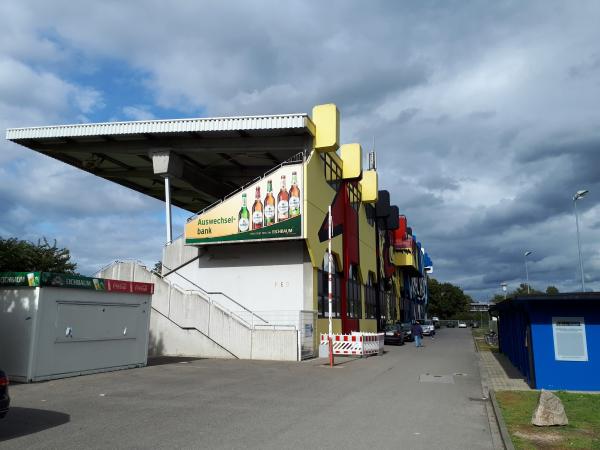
[(211, 124)]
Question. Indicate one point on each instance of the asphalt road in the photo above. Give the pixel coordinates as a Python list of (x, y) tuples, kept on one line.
[(378, 402)]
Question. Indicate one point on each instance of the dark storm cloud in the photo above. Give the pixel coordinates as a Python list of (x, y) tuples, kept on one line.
[(485, 115), (482, 115)]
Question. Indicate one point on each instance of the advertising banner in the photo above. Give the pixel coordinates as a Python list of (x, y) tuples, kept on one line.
[(31, 279), (48, 279), (269, 209)]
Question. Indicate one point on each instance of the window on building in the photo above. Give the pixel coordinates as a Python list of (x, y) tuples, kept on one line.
[(323, 289), (370, 298), (382, 302), (570, 343), (353, 300), (370, 212), (393, 306), (354, 194), (333, 171)]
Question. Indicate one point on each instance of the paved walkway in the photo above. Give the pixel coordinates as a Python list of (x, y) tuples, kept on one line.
[(427, 398), (501, 374)]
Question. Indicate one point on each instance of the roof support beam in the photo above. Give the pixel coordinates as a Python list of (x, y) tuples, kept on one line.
[(230, 159), (273, 145)]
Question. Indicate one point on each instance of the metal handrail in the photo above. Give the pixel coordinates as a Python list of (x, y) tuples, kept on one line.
[(134, 260), (298, 157), (196, 329), (208, 294)]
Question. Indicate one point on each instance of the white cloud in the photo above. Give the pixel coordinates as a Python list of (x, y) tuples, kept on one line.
[(466, 104), (140, 112)]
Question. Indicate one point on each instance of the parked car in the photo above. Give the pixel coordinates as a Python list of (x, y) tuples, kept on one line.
[(451, 324), (474, 324), (4, 398), (428, 327), (462, 325), (436, 322), (406, 327), (394, 334)]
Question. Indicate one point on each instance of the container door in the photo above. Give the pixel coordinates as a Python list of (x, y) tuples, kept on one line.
[(529, 346)]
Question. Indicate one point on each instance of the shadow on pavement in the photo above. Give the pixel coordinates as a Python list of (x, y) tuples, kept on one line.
[(340, 361), (161, 360), (23, 421), (511, 371)]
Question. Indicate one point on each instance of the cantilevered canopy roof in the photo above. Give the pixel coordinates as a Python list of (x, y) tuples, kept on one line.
[(215, 155)]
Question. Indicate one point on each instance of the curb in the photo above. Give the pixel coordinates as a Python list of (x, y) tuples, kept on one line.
[(508, 445)]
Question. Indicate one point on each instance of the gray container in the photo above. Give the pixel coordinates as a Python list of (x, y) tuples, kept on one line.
[(48, 332)]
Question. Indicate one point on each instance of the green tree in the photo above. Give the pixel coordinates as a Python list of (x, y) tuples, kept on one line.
[(497, 298), (522, 290), (447, 300), (23, 256), (552, 290)]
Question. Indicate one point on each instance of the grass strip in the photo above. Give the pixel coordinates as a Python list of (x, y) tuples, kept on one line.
[(583, 411), (479, 337)]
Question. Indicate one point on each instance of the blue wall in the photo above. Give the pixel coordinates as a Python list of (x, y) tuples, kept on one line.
[(511, 336), (571, 375)]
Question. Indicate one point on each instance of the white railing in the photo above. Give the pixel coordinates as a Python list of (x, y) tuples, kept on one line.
[(243, 333)]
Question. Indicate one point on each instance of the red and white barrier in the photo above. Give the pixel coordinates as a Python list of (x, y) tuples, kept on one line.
[(355, 344)]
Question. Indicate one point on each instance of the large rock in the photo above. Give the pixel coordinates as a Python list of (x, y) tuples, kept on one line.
[(550, 411)]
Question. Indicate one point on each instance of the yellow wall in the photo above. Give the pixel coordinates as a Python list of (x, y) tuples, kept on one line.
[(368, 325), (323, 326), (317, 198), (367, 246)]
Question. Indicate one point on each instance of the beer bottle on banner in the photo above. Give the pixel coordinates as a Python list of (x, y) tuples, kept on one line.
[(294, 197), (283, 206), (269, 205), (257, 211), (243, 216)]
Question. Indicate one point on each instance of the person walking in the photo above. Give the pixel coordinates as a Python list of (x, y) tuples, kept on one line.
[(417, 332)]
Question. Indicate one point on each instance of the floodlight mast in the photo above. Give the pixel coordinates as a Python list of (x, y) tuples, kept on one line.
[(578, 196), (526, 254)]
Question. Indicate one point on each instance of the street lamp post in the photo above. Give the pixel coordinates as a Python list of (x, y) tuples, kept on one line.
[(504, 289), (578, 195), (527, 253)]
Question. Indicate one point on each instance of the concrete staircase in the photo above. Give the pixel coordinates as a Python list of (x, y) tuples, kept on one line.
[(190, 323)]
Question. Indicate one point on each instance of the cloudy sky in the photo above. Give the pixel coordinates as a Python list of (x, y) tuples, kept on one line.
[(485, 115)]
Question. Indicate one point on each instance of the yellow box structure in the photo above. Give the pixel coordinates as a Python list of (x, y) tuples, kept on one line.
[(404, 260), (368, 185), (327, 123), (351, 155)]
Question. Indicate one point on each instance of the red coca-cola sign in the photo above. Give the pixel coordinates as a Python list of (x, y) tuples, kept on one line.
[(129, 287), (142, 288)]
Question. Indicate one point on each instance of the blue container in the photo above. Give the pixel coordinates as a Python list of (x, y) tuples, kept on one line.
[(554, 340)]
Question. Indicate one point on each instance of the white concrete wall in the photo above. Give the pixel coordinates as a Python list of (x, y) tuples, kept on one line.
[(18, 315), (280, 345), (266, 276), (188, 324), (177, 254), (169, 339)]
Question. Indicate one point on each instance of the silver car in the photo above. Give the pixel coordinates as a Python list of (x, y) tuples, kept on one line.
[(428, 327)]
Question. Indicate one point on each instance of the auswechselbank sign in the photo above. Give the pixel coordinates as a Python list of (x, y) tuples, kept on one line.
[(269, 209)]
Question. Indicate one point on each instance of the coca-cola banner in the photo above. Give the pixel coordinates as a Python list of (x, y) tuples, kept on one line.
[(270, 208), (62, 280)]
